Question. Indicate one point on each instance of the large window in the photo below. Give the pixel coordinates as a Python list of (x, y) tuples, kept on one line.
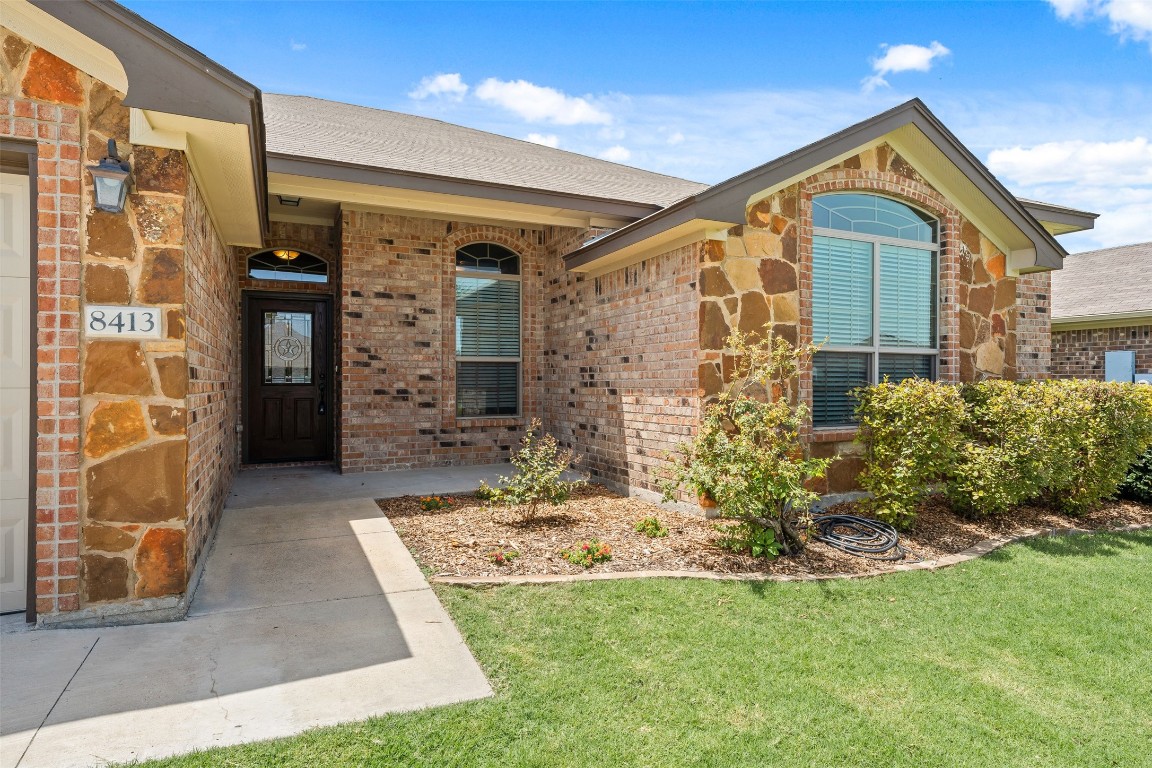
[(873, 298), (487, 331)]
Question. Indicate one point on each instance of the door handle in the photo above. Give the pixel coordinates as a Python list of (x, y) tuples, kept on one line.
[(323, 407)]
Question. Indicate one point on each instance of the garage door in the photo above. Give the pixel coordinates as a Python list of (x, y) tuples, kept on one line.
[(15, 378)]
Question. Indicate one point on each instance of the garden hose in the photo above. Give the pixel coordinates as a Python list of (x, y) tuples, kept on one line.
[(859, 536)]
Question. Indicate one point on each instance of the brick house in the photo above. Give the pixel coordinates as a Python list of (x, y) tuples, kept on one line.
[(1102, 302), (297, 280)]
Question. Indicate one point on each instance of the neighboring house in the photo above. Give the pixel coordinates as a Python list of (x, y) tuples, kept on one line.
[(446, 287), (1102, 302)]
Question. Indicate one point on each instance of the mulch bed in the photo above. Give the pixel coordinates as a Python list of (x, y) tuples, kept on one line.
[(456, 541)]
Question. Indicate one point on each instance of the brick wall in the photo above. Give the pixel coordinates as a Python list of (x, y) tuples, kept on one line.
[(1080, 353), (620, 361), (213, 350), (49, 114), (1034, 340), (397, 369)]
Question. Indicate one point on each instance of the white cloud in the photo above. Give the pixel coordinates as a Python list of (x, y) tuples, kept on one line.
[(298, 46), (616, 154), (903, 58), (1131, 19), (447, 85), (547, 139), (1124, 162), (675, 138), (540, 104)]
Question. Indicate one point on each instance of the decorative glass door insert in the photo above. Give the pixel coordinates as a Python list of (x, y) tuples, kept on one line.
[(287, 347)]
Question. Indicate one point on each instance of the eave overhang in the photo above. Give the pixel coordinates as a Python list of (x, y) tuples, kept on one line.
[(1059, 219), (1113, 320), (406, 193), (913, 131), (180, 99)]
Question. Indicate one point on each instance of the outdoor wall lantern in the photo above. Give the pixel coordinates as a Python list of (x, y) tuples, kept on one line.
[(110, 180)]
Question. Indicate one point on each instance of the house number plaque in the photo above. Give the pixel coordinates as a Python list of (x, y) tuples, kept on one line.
[(123, 322)]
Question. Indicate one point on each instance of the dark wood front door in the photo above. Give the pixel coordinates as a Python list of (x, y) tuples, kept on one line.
[(287, 368)]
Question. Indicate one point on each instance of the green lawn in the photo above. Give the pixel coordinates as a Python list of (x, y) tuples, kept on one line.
[(1037, 655)]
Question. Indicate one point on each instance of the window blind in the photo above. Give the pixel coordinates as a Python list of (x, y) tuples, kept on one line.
[(900, 367), (834, 376), (487, 389), (841, 291), (907, 297), (487, 317)]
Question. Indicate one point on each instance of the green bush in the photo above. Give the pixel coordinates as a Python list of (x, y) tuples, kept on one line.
[(540, 466), (651, 527), (747, 454), (1138, 483), (911, 435), (994, 445)]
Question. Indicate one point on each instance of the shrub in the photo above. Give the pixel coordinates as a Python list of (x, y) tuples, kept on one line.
[(911, 435), (486, 492), (540, 466), (587, 553), (652, 528), (748, 537), (1137, 484), (994, 445), (747, 453)]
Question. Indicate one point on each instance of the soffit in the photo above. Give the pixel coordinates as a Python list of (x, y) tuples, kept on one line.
[(411, 202)]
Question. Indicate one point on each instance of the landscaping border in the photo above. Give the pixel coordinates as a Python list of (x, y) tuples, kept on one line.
[(978, 549)]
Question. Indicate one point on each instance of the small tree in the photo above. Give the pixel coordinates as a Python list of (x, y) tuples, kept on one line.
[(540, 466), (747, 454)]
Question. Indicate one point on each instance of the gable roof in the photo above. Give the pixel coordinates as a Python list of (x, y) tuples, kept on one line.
[(303, 127), (913, 131), (1104, 287)]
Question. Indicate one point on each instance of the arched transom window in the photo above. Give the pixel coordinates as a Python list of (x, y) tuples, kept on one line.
[(487, 331), (287, 264), (874, 305)]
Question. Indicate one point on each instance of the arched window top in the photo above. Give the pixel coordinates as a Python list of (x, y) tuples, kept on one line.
[(488, 257), (873, 215), (287, 264)]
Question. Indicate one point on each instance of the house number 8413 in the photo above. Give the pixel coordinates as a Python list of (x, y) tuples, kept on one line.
[(123, 322)]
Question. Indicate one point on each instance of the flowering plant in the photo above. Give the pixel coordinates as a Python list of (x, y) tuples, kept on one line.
[(652, 527), (433, 503), (587, 553), (502, 556)]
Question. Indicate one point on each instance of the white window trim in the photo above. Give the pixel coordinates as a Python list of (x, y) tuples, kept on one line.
[(518, 359), (876, 349)]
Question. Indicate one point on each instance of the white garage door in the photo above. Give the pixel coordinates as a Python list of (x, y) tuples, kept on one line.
[(15, 378)]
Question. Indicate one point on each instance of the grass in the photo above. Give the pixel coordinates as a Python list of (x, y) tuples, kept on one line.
[(1037, 655)]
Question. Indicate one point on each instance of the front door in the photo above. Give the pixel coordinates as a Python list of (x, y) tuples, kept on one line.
[(289, 407)]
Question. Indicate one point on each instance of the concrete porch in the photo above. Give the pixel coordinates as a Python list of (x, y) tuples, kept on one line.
[(310, 612)]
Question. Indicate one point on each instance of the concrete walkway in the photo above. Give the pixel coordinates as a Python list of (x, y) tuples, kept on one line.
[(310, 612)]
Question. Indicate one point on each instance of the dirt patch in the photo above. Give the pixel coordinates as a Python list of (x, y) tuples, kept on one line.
[(456, 541)]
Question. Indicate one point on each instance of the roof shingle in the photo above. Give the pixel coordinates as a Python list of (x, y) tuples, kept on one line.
[(1110, 281), (302, 126)]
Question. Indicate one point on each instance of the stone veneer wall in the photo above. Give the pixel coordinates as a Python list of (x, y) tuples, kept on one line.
[(213, 349), (44, 101), (1080, 353), (113, 432), (763, 274), (620, 361), (397, 367)]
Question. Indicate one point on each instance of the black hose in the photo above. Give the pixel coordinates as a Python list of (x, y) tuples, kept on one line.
[(859, 536)]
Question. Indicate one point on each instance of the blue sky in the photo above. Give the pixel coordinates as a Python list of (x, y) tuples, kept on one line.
[(1055, 97)]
